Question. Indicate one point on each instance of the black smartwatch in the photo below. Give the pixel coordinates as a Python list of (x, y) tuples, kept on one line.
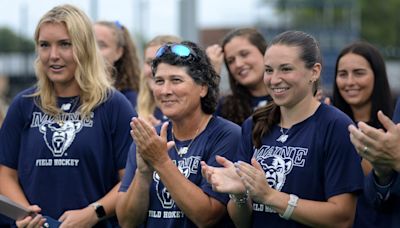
[(99, 209)]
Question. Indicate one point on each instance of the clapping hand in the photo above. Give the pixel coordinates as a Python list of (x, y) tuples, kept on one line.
[(223, 179)]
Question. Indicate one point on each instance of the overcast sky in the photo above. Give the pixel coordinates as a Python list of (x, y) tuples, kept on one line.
[(158, 16)]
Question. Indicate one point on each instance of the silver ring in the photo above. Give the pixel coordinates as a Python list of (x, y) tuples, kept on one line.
[(365, 149)]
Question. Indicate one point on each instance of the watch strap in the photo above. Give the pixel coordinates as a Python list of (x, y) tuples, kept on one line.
[(292, 203), (99, 209)]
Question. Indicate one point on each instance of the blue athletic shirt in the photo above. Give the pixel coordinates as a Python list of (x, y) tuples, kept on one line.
[(67, 164), (221, 137), (131, 96), (316, 162)]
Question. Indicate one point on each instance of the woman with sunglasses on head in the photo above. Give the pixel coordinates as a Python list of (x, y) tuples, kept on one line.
[(146, 105), (292, 172), (163, 185), (119, 51), (64, 142), (242, 50)]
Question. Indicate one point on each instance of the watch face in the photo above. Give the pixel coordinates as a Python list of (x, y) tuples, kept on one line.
[(100, 212)]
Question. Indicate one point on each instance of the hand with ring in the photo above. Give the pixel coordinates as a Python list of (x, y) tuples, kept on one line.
[(383, 148)]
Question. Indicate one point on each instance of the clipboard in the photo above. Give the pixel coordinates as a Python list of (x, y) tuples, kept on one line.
[(16, 211), (12, 209)]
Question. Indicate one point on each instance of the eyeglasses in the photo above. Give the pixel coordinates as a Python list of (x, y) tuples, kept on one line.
[(180, 50)]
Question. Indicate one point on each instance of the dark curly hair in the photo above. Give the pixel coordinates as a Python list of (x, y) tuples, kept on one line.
[(199, 67)]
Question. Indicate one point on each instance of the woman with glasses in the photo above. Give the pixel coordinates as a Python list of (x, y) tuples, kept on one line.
[(242, 50), (64, 142), (296, 166), (121, 57), (163, 185)]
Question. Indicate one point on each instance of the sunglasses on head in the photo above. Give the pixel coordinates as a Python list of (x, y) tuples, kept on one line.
[(180, 50)]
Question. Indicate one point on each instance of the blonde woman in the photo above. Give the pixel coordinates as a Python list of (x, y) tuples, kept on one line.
[(146, 105), (64, 142)]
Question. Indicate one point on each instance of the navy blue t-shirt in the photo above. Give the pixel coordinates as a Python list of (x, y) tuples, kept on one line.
[(69, 162), (221, 137), (380, 207), (132, 97), (317, 161), (256, 102)]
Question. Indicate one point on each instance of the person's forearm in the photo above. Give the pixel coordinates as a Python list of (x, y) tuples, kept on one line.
[(200, 208), (339, 210), (132, 206), (240, 213), (9, 186)]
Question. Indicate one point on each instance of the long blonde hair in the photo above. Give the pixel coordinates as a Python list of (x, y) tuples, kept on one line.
[(90, 74), (145, 101)]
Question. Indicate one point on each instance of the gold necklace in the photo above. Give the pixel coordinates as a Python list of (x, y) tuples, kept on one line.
[(183, 150)]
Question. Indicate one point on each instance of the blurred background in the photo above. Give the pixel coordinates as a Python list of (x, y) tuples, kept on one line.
[(334, 23)]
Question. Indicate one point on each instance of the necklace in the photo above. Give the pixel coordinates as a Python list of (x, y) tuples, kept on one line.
[(284, 135), (183, 150), (67, 108)]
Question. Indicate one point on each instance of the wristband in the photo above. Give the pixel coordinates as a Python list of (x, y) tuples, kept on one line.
[(292, 203)]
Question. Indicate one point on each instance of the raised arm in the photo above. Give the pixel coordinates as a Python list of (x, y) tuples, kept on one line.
[(216, 56), (132, 205), (200, 208)]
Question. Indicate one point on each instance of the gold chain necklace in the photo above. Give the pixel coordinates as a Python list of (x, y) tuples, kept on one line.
[(183, 150)]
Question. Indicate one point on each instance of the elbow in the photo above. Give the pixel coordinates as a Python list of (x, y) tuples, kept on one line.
[(210, 220), (124, 218), (345, 219), (206, 223)]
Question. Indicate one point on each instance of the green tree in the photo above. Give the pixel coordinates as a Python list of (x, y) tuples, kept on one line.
[(380, 22), (375, 21), (11, 42)]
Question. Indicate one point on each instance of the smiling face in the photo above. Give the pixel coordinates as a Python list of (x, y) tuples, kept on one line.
[(108, 43), (287, 79), (245, 62), (55, 52), (355, 80), (176, 93)]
